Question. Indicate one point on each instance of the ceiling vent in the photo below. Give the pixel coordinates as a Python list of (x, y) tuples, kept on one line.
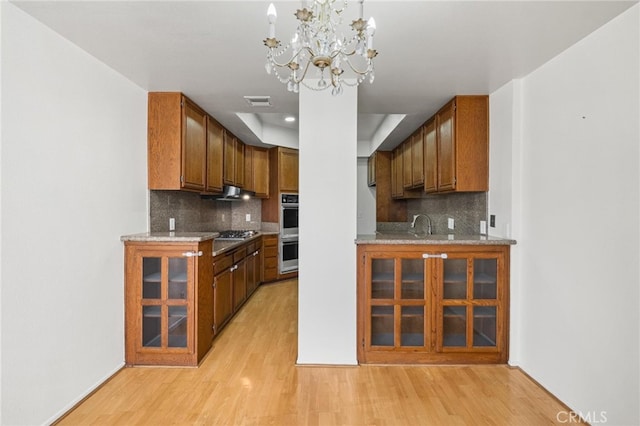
[(258, 101)]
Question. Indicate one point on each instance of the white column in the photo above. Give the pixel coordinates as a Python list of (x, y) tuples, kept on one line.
[(328, 204)]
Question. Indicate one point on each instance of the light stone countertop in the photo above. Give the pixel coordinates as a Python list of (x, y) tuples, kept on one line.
[(409, 238), (170, 237)]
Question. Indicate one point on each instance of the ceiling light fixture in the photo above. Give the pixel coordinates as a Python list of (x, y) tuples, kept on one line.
[(289, 119), (317, 43)]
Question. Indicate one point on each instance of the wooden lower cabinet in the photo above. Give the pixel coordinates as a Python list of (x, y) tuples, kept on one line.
[(270, 258), (168, 310), (433, 304)]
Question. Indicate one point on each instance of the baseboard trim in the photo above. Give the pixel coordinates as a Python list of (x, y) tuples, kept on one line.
[(59, 417), (548, 392)]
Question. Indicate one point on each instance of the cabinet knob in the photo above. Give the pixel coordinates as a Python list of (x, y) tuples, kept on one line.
[(434, 256), (192, 253)]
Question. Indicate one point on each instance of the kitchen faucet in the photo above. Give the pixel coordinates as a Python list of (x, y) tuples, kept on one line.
[(415, 218)]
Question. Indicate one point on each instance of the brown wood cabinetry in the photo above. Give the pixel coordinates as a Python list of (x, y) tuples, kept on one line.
[(215, 149), (283, 177), (387, 208), (168, 309), (256, 170), (462, 144), (270, 258), (176, 142), (233, 160), (417, 159), (433, 304), (430, 157), (287, 170)]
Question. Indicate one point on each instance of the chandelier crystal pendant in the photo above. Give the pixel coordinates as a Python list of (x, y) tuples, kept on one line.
[(336, 58)]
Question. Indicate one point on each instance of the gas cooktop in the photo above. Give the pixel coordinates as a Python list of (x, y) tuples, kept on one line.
[(235, 235)]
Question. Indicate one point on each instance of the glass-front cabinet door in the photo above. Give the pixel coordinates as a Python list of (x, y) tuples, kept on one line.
[(433, 304), (398, 303), (162, 295), (468, 303)]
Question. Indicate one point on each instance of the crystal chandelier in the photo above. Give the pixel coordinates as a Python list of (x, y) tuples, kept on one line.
[(336, 57)]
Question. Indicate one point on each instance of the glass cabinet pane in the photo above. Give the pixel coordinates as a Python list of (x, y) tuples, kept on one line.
[(485, 278), (151, 277), (412, 279), (412, 326), (454, 326), (177, 278), (484, 326), (382, 326), (177, 326), (382, 278), (151, 326), (455, 279)]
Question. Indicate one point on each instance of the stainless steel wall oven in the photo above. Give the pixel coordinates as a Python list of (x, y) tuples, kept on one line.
[(288, 252)]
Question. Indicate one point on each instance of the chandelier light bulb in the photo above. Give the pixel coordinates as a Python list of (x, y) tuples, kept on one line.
[(272, 14)]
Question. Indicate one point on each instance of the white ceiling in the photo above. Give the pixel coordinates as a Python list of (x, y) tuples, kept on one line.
[(429, 51)]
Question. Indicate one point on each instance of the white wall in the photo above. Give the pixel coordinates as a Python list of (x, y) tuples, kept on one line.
[(327, 276), (575, 207), (366, 200), (73, 179)]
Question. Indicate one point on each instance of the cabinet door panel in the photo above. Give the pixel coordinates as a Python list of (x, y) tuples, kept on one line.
[(407, 171), (417, 158), (430, 158), (215, 148), (194, 149), (260, 173), (239, 160), (446, 149), (229, 162), (288, 173), (222, 299)]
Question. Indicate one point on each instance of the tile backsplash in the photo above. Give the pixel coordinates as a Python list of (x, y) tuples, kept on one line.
[(193, 213), (466, 208)]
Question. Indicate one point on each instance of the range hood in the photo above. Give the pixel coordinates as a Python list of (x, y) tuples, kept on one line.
[(230, 193)]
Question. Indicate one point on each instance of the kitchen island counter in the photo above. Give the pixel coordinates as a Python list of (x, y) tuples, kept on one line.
[(399, 238)]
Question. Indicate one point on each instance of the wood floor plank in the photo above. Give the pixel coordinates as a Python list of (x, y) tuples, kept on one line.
[(250, 378)]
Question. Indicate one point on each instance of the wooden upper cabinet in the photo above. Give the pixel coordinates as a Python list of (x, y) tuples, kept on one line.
[(417, 159), (462, 135), (233, 173), (446, 148), (229, 173), (256, 170), (215, 142), (260, 164), (239, 160), (430, 157), (288, 170), (176, 142), (407, 172)]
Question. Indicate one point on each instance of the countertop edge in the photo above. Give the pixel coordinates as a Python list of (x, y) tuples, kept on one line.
[(169, 237), (408, 239)]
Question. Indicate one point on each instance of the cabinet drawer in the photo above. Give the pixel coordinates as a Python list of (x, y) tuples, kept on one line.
[(221, 263), (239, 254), (270, 274), (271, 252), (271, 241), (251, 247), (270, 262)]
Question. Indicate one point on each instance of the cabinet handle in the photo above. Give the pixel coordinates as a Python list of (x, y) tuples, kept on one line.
[(434, 256), (192, 253)]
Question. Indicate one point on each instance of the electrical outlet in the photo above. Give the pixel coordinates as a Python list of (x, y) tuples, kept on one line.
[(248, 217), (450, 223), (172, 224), (483, 226), (492, 220)]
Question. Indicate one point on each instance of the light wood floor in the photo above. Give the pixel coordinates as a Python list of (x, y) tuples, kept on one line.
[(249, 378)]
